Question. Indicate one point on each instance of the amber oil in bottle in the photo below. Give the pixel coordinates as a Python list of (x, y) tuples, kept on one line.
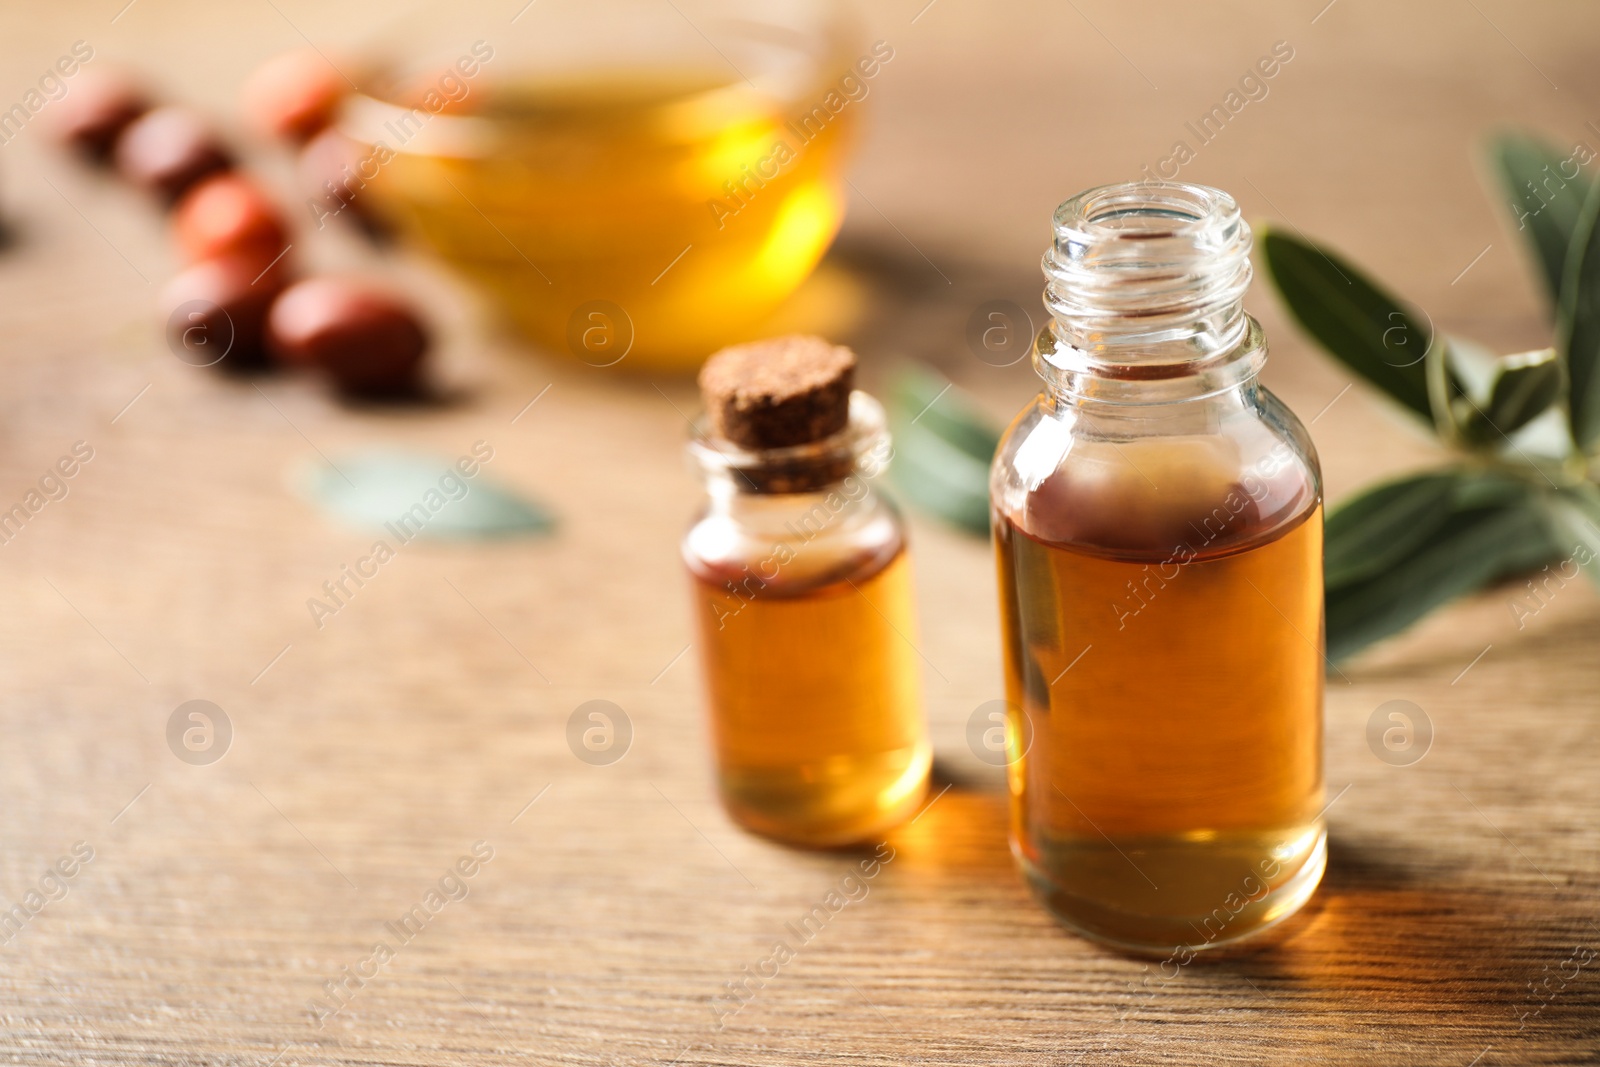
[(1158, 527), (802, 595)]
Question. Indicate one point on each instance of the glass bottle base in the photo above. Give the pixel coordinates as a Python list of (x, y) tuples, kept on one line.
[(1178, 895), (846, 801)]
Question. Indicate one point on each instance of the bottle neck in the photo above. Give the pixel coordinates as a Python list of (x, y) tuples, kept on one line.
[(1145, 285), (780, 479), (1224, 376), (801, 517)]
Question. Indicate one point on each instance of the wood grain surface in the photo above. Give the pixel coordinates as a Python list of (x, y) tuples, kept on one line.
[(1458, 920)]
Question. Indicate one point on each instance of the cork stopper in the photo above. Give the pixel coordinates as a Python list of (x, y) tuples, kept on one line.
[(778, 393)]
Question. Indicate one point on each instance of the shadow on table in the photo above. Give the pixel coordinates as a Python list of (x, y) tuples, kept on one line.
[(961, 828), (1385, 943)]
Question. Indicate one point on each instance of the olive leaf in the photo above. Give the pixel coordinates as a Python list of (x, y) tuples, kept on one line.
[(1574, 515), (1470, 549), (1545, 201), (1397, 551), (943, 447), (1578, 325), (1523, 388), (1371, 532), (1379, 527), (933, 402), (1360, 324), (378, 487)]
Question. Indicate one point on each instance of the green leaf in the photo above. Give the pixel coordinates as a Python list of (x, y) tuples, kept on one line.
[(1480, 488), (1545, 203), (1523, 387), (1379, 527), (1358, 323), (1470, 550), (923, 398), (943, 447), (390, 490), (1574, 514), (941, 479), (1578, 325)]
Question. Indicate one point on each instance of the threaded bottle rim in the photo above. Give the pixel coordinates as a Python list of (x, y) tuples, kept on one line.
[(1146, 275)]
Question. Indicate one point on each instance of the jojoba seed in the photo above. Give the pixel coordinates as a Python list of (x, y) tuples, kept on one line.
[(96, 111), (368, 341), (228, 215), (168, 150), (335, 171), (217, 313), (293, 96)]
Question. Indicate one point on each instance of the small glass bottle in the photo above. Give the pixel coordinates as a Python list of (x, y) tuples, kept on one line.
[(803, 599), (1158, 530)]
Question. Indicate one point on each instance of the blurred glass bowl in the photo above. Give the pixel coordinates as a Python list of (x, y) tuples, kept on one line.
[(633, 182)]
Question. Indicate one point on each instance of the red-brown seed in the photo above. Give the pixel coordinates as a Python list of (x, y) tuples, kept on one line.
[(98, 107), (217, 312), (168, 150), (229, 215), (293, 96), (367, 340), (331, 170)]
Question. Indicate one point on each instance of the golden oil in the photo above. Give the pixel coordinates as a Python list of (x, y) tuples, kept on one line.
[(805, 619), (635, 217), (1172, 791), (815, 702), (1158, 534)]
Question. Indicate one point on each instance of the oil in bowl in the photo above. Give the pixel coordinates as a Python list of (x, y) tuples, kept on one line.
[(632, 184)]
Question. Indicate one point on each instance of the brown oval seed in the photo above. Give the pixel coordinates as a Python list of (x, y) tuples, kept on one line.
[(98, 108), (217, 312), (227, 214), (168, 150), (367, 340), (293, 96)]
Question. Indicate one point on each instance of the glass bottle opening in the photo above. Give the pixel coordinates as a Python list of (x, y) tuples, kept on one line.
[(1146, 280)]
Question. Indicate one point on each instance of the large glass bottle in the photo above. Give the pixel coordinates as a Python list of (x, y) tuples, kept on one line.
[(803, 598), (1158, 529)]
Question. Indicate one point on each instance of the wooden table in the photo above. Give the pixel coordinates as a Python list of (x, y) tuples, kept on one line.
[(1457, 924)]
